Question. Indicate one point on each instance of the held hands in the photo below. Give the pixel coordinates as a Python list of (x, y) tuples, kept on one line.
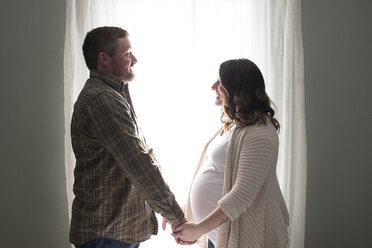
[(187, 232), (179, 233)]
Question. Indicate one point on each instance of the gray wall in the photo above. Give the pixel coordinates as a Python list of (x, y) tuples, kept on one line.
[(338, 61), (33, 208)]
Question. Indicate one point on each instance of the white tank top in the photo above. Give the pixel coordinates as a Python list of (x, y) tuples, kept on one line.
[(207, 187)]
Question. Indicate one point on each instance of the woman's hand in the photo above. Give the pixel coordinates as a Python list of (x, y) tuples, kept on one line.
[(187, 232)]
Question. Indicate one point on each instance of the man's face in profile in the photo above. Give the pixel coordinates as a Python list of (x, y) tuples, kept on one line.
[(123, 60)]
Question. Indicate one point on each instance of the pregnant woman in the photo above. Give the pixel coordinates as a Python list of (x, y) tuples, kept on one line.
[(235, 187)]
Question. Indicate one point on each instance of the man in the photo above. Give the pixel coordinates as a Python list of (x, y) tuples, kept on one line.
[(118, 183)]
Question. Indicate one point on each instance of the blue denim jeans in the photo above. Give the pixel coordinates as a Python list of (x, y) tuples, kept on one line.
[(210, 244), (106, 243)]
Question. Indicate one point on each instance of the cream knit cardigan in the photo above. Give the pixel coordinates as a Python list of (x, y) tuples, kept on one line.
[(251, 194)]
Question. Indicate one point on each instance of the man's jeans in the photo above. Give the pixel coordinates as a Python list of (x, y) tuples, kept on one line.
[(106, 243)]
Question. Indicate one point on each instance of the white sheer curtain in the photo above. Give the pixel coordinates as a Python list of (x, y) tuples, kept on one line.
[(179, 45)]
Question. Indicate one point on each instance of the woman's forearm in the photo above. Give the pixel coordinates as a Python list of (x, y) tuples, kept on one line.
[(213, 220)]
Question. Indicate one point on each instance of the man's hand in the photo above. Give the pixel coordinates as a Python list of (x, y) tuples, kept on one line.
[(164, 223), (180, 223)]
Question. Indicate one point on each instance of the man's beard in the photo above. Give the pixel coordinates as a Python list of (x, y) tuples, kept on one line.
[(128, 76)]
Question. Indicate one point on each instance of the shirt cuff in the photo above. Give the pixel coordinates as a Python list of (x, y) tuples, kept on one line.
[(176, 215)]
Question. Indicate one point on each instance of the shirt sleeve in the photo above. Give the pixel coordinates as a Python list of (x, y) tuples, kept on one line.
[(255, 161), (115, 127)]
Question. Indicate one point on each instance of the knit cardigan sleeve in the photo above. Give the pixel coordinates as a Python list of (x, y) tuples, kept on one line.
[(255, 155)]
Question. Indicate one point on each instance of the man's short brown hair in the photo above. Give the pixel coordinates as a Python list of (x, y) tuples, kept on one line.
[(102, 39)]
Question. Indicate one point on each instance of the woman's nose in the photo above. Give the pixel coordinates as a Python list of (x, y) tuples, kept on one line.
[(215, 85)]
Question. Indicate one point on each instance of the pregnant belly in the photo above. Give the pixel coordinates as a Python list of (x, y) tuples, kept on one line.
[(205, 192)]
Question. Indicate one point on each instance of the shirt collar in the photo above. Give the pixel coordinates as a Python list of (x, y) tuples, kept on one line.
[(112, 80)]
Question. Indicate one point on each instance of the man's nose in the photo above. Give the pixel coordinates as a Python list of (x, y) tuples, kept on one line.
[(134, 59)]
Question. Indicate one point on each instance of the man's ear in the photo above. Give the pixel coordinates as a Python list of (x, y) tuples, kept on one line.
[(104, 59)]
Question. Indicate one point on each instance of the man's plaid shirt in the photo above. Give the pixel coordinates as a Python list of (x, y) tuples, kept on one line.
[(118, 182)]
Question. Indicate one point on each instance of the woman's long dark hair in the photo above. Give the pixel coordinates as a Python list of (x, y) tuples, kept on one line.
[(247, 103)]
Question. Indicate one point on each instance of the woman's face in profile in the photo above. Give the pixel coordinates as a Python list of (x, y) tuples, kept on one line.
[(220, 92)]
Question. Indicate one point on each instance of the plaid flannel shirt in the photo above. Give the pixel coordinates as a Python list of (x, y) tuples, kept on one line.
[(118, 183)]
